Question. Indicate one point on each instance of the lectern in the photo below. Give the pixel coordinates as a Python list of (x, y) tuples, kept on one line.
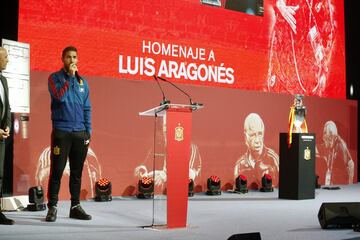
[(178, 138), (297, 166)]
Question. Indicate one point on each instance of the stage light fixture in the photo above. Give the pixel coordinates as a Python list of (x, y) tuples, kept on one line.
[(145, 188), (266, 183), (103, 190), (241, 184), (191, 188), (213, 185), (36, 199)]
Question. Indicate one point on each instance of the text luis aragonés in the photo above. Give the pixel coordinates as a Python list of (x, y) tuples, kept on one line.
[(185, 62)]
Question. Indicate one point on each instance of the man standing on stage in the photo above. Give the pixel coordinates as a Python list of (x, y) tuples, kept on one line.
[(5, 124), (70, 138)]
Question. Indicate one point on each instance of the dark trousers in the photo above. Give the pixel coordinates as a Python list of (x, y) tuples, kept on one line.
[(2, 160), (64, 145)]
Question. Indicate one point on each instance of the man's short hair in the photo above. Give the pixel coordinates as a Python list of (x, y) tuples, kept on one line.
[(68, 49), (2, 49), (252, 120), (330, 128)]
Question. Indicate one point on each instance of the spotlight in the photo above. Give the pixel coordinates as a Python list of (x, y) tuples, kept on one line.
[(103, 190), (145, 188), (36, 199), (191, 188), (266, 183), (241, 184), (213, 185)]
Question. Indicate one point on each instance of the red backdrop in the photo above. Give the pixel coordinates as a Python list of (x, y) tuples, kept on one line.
[(122, 140), (194, 43), (211, 52)]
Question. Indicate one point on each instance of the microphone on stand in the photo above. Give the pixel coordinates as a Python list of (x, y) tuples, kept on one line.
[(195, 104), (164, 101)]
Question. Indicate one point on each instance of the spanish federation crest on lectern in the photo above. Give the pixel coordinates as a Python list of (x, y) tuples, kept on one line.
[(179, 133), (307, 154)]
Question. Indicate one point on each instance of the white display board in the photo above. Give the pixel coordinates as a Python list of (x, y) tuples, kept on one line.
[(17, 74)]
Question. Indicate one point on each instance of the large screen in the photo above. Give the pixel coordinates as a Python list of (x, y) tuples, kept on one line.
[(277, 46)]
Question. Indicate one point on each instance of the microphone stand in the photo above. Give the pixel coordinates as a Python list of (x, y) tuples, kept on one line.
[(193, 104), (164, 101)]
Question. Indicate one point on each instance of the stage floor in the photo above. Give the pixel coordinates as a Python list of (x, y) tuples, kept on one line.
[(209, 217)]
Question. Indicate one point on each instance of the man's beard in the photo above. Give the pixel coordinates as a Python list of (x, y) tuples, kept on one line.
[(67, 68)]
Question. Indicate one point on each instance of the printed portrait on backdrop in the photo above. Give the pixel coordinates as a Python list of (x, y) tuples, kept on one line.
[(302, 41), (258, 159), (339, 163), (146, 168), (92, 172)]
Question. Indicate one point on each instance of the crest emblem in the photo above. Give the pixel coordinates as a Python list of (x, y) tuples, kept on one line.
[(179, 133), (307, 154), (56, 150)]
